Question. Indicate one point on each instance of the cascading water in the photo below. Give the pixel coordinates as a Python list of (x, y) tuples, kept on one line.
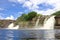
[(49, 27), (49, 24), (11, 26), (37, 22)]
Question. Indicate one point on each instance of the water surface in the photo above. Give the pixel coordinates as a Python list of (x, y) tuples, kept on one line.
[(6, 34)]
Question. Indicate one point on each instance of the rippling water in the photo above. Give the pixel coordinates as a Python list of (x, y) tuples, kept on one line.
[(6, 34)]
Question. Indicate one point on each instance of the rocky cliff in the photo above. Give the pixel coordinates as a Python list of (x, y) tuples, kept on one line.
[(5, 23)]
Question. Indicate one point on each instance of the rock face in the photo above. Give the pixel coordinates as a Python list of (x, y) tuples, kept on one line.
[(57, 22), (5, 23)]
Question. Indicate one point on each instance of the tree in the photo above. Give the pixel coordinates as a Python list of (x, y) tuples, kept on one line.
[(23, 17), (56, 13), (31, 15), (28, 17)]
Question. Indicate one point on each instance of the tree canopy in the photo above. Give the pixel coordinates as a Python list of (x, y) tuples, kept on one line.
[(31, 15), (27, 17), (23, 17), (56, 13)]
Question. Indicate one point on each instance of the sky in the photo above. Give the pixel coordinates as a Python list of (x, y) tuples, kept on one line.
[(12, 9)]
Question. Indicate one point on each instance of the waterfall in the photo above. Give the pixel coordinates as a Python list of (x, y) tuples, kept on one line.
[(37, 22), (49, 24), (11, 26), (48, 28)]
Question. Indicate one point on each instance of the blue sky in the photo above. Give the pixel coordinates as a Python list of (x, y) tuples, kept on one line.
[(12, 9)]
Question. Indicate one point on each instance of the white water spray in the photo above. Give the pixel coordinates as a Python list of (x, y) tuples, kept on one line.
[(16, 27), (37, 22), (11, 26), (49, 24)]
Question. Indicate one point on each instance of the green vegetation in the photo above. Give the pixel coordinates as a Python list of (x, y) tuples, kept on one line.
[(56, 13), (23, 17), (27, 19), (31, 15)]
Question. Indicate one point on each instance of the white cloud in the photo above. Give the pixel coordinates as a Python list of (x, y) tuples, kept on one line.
[(20, 12), (1, 9), (47, 12), (17, 1), (27, 4), (10, 18), (36, 2), (56, 4), (21, 1), (33, 5)]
